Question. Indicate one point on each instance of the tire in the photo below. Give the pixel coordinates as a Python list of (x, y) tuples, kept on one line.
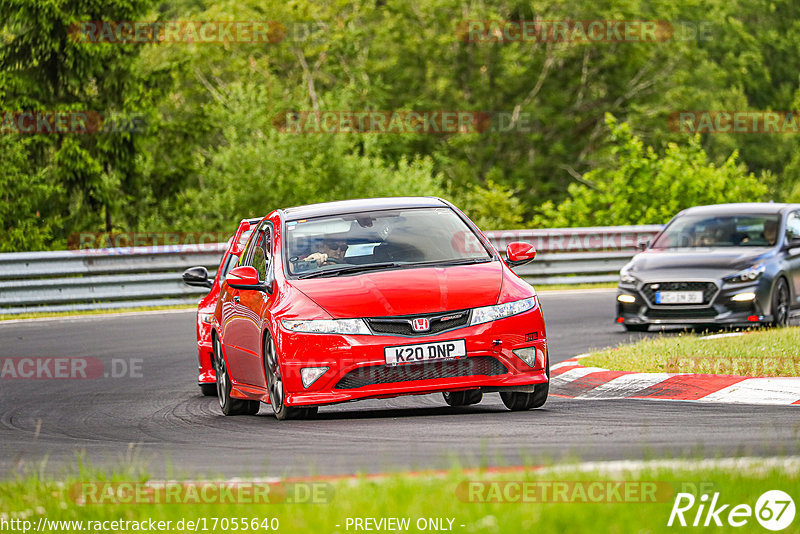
[(228, 404), (209, 390), (462, 398), (272, 372), (517, 401), (637, 327), (780, 303)]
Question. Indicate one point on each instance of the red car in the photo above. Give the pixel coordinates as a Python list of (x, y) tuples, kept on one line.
[(376, 298), (198, 276)]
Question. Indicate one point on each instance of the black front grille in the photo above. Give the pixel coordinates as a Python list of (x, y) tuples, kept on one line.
[(709, 289), (402, 326), (382, 374), (682, 314)]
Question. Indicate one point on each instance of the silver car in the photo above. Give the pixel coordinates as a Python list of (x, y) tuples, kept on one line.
[(728, 264)]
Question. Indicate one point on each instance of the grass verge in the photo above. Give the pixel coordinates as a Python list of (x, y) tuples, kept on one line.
[(599, 285), (47, 315), (559, 501), (768, 352)]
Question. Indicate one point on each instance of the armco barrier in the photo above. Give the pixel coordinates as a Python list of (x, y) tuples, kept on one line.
[(150, 276)]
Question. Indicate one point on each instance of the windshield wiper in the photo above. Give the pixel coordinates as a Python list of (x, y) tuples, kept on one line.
[(461, 261), (351, 270)]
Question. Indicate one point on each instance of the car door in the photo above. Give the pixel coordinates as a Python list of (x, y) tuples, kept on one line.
[(793, 254), (235, 322), (251, 307)]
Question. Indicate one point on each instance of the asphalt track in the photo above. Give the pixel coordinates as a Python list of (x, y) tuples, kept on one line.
[(158, 420)]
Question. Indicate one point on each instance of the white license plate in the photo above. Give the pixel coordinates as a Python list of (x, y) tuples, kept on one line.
[(425, 352), (679, 297)]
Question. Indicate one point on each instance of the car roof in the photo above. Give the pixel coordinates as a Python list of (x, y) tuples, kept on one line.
[(342, 207), (741, 208)]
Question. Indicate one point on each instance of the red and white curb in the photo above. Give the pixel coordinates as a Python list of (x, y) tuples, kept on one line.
[(573, 380)]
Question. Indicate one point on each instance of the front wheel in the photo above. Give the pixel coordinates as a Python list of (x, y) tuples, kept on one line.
[(228, 404), (277, 395), (462, 398), (780, 303), (519, 401)]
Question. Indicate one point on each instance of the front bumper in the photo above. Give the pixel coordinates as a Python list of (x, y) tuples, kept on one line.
[(492, 365), (720, 310)]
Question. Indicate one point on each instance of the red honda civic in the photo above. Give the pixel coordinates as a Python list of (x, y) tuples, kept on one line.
[(376, 298)]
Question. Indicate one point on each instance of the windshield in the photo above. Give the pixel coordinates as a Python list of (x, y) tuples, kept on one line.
[(379, 239), (700, 231)]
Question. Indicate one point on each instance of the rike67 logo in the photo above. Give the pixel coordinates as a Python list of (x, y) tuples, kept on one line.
[(774, 510)]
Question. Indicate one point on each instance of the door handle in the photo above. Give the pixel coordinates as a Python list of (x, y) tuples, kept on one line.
[(236, 299)]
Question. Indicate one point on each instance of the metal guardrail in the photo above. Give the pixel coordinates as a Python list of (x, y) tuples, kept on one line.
[(150, 276)]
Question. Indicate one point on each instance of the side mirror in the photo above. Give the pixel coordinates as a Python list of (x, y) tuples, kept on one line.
[(197, 276), (246, 277), (643, 245), (519, 253)]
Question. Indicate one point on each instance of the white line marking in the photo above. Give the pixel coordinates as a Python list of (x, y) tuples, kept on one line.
[(758, 391), (625, 386)]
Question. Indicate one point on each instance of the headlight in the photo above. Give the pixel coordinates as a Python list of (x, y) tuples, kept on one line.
[(207, 318), (500, 311), (748, 275), (626, 278), (328, 326)]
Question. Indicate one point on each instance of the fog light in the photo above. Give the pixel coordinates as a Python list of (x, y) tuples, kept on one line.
[(532, 356), (627, 299), (753, 318), (309, 375), (744, 297)]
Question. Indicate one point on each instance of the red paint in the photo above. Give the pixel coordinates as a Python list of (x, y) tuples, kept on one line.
[(205, 371), (241, 327), (688, 387)]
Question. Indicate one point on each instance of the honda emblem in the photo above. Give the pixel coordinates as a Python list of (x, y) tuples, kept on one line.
[(421, 324)]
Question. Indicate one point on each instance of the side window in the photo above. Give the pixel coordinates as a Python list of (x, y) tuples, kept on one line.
[(793, 226), (257, 253)]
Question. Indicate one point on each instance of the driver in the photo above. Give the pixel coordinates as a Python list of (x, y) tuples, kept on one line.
[(331, 252)]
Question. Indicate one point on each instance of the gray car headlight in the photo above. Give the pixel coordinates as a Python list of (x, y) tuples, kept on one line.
[(748, 275), (501, 311), (328, 326)]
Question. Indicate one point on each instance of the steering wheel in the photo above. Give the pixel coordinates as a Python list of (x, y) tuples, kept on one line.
[(333, 261)]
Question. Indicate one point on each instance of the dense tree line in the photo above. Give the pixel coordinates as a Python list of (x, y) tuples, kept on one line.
[(589, 138)]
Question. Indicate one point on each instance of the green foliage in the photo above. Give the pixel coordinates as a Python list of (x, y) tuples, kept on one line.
[(27, 219), (645, 188), (210, 153)]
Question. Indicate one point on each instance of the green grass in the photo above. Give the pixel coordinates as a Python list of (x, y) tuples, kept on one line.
[(46, 315), (598, 285), (769, 352), (647, 509)]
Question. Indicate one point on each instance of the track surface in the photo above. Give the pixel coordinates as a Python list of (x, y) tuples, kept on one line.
[(161, 421)]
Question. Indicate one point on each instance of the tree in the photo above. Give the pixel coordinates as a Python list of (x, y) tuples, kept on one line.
[(644, 187)]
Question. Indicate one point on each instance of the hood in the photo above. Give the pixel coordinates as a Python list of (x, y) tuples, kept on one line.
[(406, 291), (708, 263)]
